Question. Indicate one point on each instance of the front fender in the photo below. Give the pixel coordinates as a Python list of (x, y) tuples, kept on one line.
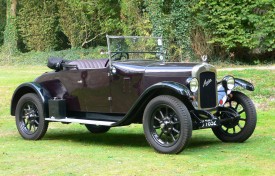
[(30, 87), (244, 84), (151, 92), (174, 86), (222, 95)]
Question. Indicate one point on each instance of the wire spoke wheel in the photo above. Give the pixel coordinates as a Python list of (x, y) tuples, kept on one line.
[(30, 119), (240, 128), (167, 124), (236, 125), (165, 127)]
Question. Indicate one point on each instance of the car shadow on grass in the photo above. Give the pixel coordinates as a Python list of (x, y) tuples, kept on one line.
[(109, 138), (124, 138), (203, 142)]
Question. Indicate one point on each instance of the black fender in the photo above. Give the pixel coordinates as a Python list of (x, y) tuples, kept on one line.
[(238, 83), (30, 87), (244, 84), (161, 88)]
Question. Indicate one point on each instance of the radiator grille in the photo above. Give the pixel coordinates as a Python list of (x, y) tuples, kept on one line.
[(207, 90)]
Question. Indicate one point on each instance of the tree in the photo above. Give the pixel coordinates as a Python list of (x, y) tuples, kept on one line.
[(238, 25), (3, 12), (171, 19), (85, 22), (37, 24), (134, 18), (10, 34)]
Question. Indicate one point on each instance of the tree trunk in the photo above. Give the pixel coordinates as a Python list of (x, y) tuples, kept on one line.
[(10, 34), (13, 8)]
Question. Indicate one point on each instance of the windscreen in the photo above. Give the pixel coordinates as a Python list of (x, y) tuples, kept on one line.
[(123, 48)]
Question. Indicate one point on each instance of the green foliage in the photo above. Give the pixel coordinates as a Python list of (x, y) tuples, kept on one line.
[(156, 16), (171, 19), (181, 20), (3, 12), (37, 24), (219, 28), (233, 24), (134, 18), (82, 21), (10, 33), (74, 21), (108, 16)]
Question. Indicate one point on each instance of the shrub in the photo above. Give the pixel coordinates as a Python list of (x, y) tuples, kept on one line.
[(171, 19), (37, 24), (236, 24)]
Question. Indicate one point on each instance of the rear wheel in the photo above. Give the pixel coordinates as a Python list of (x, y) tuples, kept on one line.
[(167, 124), (97, 128), (239, 128), (30, 120)]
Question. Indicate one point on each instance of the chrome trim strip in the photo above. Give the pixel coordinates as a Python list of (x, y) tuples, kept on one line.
[(82, 121)]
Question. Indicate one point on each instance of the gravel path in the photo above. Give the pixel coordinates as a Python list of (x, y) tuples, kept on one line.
[(247, 68)]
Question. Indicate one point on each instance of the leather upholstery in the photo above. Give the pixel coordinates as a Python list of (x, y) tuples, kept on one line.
[(90, 64)]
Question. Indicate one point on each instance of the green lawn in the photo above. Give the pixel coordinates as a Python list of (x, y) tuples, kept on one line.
[(72, 150)]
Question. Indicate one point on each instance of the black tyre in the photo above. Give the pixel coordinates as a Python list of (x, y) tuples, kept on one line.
[(30, 120), (97, 129), (240, 128), (167, 124)]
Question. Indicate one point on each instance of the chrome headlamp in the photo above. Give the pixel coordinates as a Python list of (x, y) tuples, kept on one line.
[(193, 84), (228, 82)]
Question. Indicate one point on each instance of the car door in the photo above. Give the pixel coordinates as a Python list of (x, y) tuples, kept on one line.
[(88, 89), (125, 90), (96, 89)]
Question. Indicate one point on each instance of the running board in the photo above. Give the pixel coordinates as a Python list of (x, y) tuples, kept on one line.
[(82, 121)]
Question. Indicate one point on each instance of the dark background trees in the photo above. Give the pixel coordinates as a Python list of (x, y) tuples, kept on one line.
[(2, 20), (232, 30)]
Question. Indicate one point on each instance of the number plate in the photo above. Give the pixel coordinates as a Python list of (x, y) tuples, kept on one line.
[(209, 123)]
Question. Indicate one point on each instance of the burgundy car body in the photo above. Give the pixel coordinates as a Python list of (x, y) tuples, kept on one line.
[(106, 92)]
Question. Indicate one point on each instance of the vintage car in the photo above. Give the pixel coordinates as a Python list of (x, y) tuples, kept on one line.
[(135, 85)]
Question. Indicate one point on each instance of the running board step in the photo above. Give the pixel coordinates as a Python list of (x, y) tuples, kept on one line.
[(82, 121)]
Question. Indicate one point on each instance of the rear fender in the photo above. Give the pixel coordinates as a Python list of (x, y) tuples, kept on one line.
[(31, 87), (162, 88)]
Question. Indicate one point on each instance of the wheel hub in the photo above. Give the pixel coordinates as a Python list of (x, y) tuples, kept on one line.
[(233, 122), (30, 116), (166, 126)]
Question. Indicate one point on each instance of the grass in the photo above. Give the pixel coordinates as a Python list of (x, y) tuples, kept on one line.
[(263, 81), (72, 150)]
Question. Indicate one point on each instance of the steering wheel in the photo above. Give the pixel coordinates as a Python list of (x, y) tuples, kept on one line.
[(120, 56)]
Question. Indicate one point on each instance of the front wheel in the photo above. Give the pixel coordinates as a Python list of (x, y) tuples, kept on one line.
[(240, 128), (30, 120), (167, 124)]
